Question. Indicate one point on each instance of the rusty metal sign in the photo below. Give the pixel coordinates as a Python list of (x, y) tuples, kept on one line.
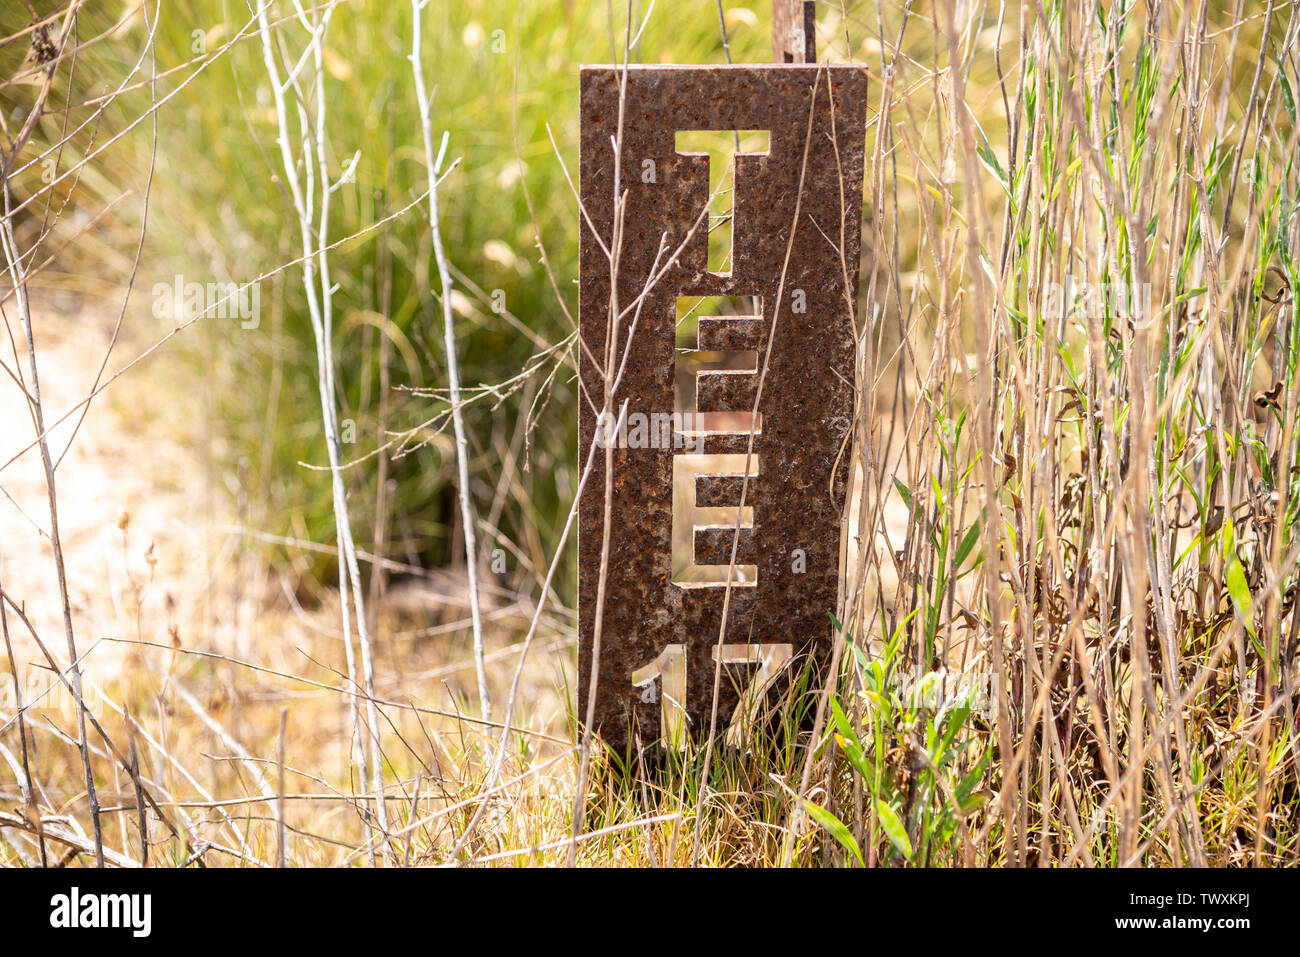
[(703, 382)]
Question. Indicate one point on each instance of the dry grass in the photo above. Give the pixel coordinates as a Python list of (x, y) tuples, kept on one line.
[(1085, 514)]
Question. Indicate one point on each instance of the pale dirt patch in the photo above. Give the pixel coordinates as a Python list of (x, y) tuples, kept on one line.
[(125, 467), (182, 570)]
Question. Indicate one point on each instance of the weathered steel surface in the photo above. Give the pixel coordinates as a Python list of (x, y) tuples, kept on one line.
[(800, 463)]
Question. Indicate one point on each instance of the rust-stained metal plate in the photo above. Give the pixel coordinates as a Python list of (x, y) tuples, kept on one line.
[(794, 501)]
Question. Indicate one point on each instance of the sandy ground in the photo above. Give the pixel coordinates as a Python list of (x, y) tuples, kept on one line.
[(150, 535), (132, 511)]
